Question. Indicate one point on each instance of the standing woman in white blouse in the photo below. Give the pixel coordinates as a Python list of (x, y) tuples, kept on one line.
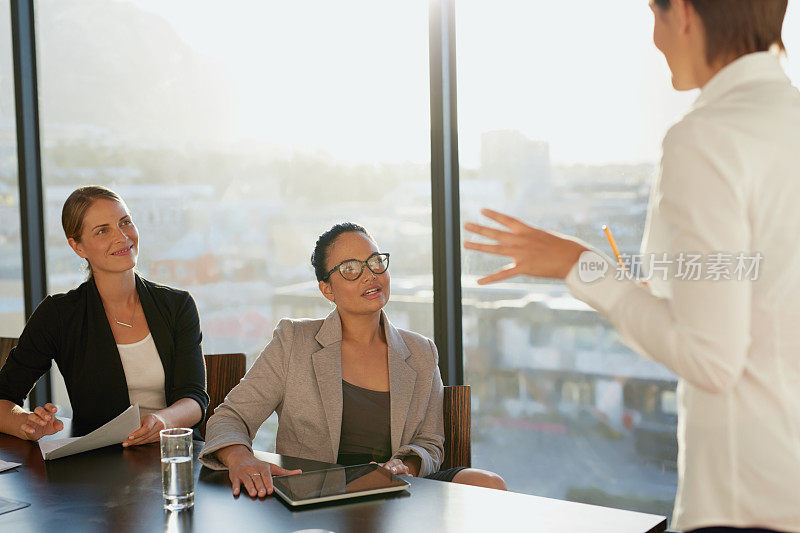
[(118, 339), (729, 184)]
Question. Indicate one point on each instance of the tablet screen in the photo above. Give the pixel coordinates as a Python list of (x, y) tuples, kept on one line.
[(337, 482)]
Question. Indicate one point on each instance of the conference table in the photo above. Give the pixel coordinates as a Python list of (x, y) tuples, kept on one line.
[(118, 489)]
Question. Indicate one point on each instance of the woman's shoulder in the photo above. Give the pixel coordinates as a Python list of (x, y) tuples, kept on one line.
[(693, 125), (60, 308), (299, 326), (417, 343), (413, 336), (174, 305), (294, 338), (165, 292), (171, 300), (67, 299)]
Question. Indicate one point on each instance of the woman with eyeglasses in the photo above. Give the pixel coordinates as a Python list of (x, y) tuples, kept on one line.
[(348, 389)]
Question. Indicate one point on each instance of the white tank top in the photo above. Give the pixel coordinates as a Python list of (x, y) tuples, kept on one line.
[(144, 374)]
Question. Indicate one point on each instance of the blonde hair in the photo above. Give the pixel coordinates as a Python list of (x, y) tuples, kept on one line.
[(74, 210), (78, 203)]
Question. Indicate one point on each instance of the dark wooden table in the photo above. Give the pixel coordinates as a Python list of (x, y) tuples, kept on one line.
[(119, 490)]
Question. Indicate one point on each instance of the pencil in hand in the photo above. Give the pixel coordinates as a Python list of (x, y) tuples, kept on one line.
[(614, 247)]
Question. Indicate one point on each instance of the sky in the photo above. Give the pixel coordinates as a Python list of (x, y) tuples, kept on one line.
[(350, 78)]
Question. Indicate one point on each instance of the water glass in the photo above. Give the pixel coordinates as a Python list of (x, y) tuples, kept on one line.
[(176, 468)]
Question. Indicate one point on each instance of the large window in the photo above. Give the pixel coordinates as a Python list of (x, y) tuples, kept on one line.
[(12, 304), (791, 38), (561, 118), (237, 132), (560, 122)]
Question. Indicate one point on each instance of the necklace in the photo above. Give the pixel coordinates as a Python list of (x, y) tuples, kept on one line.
[(132, 315)]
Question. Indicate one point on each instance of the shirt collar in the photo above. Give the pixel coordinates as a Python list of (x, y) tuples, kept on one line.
[(758, 66)]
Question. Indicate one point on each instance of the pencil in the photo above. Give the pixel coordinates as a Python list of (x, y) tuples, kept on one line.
[(613, 244)]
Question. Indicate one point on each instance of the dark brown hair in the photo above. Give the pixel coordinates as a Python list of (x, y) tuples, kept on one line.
[(78, 203), (738, 27), (319, 258)]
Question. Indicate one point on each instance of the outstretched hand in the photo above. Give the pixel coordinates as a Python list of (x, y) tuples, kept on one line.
[(534, 252)]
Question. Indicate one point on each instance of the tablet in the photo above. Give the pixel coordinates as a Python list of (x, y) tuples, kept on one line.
[(337, 484)]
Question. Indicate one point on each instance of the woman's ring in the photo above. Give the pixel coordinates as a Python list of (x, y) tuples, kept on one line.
[(256, 474)]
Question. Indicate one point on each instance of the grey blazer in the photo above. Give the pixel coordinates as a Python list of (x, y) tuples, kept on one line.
[(299, 375)]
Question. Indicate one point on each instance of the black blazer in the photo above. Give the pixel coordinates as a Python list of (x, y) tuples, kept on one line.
[(73, 330)]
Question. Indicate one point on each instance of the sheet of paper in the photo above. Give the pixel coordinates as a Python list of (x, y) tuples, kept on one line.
[(5, 465), (113, 432)]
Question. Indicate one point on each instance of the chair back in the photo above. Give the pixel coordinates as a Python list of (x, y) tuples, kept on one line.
[(457, 420), (223, 372), (6, 343)]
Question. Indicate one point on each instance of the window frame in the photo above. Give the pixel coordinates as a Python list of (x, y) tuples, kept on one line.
[(445, 213)]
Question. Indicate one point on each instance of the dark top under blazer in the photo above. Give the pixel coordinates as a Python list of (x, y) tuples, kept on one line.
[(73, 330)]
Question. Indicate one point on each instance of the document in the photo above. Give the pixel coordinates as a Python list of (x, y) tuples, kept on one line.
[(113, 432), (5, 465)]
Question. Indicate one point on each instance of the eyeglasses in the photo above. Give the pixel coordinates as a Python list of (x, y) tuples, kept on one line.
[(351, 269)]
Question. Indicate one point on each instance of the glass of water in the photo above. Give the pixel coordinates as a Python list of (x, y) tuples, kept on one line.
[(176, 468)]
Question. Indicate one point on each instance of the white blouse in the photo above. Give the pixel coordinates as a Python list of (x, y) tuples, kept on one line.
[(729, 182), (144, 373)]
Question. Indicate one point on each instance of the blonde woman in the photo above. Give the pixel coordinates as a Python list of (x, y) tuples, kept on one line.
[(118, 339)]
